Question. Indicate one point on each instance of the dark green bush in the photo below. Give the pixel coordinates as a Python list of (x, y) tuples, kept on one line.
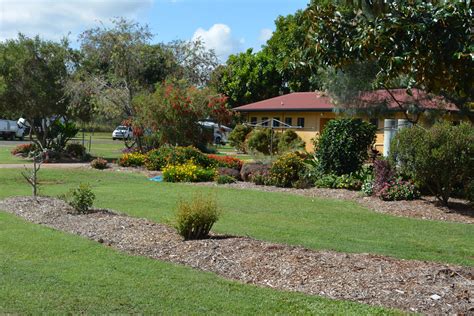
[(287, 169), (290, 141), (438, 158), (343, 146), (75, 150), (238, 136), (82, 198), (195, 217), (263, 141), (224, 179)]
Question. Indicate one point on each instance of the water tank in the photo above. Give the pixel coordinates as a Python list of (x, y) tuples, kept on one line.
[(389, 130)]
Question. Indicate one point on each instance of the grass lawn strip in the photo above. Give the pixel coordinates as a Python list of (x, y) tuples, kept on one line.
[(375, 280), (314, 223), (44, 271)]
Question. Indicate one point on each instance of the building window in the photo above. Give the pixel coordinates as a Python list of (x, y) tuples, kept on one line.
[(253, 120), (374, 122), (300, 121), (289, 121), (276, 122), (263, 121)]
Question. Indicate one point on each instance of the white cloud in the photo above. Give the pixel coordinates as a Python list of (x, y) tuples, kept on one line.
[(53, 19), (265, 35), (219, 38)]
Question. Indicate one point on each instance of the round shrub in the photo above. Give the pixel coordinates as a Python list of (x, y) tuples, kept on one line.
[(250, 168), (82, 198), (260, 140), (287, 169), (224, 179), (99, 163), (438, 158), (195, 218), (75, 150), (238, 136), (132, 160), (290, 141), (343, 146)]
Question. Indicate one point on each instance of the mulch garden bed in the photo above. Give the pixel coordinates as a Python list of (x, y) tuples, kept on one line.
[(425, 208), (410, 285)]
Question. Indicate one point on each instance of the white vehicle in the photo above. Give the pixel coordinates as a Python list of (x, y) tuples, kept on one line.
[(122, 132), (11, 129), (221, 132)]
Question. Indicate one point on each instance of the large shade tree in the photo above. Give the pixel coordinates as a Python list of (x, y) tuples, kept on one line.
[(33, 75), (424, 45)]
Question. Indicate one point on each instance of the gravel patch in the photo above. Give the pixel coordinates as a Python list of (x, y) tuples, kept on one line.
[(425, 208), (410, 285)]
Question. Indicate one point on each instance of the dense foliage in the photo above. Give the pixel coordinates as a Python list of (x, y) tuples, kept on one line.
[(287, 169), (238, 136), (81, 198), (164, 156), (188, 172), (343, 146), (195, 217), (439, 158)]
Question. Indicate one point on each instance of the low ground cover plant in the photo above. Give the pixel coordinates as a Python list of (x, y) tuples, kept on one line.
[(225, 179), (222, 171), (398, 189), (249, 169), (24, 149), (188, 172), (195, 217)]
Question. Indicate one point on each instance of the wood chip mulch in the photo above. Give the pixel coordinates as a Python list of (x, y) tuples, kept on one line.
[(410, 285), (425, 208)]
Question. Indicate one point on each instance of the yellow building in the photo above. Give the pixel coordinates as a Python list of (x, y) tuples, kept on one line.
[(309, 112)]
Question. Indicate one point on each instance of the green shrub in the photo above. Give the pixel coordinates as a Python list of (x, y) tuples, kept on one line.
[(397, 190), (261, 178), (367, 188), (195, 218), (345, 181), (343, 146), (75, 150), (82, 198), (263, 141), (188, 172), (470, 191), (287, 169), (290, 141), (223, 179), (99, 163), (134, 159), (238, 136), (157, 159), (438, 158)]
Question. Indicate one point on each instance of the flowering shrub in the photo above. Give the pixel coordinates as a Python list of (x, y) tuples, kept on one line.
[(99, 163), (163, 156), (24, 149), (287, 169), (397, 190), (226, 161), (132, 160), (187, 172), (249, 169), (367, 188), (383, 173)]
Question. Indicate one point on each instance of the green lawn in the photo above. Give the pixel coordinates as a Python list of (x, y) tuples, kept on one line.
[(6, 157), (101, 145), (43, 271), (313, 223)]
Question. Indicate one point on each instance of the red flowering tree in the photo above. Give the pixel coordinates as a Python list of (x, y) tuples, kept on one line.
[(173, 111)]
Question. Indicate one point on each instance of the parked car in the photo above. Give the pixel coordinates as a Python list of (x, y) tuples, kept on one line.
[(122, 132), (221, 132), (11, 129)]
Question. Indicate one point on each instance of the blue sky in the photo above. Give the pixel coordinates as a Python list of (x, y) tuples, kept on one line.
[(228, 26)]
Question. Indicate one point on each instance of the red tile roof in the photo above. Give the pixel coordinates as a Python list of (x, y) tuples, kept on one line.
[(317, 101)]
